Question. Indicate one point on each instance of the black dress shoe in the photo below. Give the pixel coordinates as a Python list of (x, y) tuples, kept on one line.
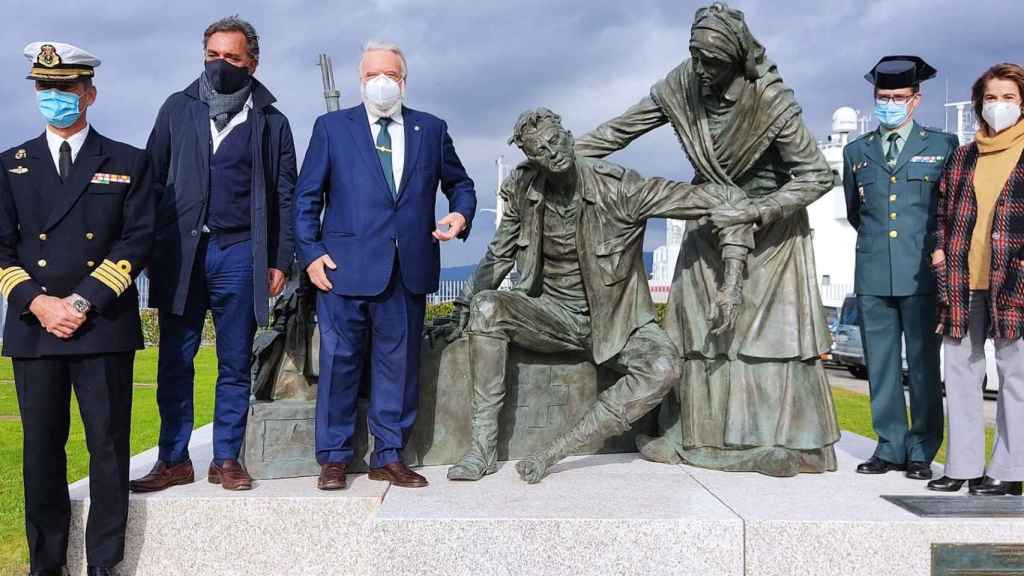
[(947, 484), (919, 471), (992, 487), (99, 571), (59, 572), (876, 465)]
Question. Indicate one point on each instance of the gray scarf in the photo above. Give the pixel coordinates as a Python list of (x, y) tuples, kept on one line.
[(223, 107)]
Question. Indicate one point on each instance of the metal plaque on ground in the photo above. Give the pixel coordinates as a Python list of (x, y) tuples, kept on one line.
[(978, 559), (961, 506)]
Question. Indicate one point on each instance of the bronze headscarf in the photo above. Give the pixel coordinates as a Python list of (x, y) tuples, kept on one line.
[(738, 44)]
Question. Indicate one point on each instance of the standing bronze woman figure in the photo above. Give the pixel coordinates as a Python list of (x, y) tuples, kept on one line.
[(755, 397)]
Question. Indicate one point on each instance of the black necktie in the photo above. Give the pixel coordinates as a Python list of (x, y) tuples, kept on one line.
[(384, 153), (65, 160), (891, 155)]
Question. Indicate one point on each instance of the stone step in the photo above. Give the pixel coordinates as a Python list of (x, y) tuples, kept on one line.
[(602, 514)]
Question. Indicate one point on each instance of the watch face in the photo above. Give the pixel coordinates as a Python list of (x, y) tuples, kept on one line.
[(81, 306)]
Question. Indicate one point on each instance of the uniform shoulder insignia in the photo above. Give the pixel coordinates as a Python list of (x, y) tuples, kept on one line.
[(609, 169)]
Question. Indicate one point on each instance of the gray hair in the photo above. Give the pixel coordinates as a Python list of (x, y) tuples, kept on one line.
[(235, 24), (530, 122), (378, 46)]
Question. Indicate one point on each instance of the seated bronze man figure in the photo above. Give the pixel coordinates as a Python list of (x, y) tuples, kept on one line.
[(573, 228)]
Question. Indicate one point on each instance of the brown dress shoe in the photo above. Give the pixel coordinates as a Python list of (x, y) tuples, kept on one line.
[(399, 475), (230, 475), (332, 476), (163, 476)]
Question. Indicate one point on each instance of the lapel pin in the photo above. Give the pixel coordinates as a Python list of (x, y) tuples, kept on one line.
[(20, 154), (19, 170)]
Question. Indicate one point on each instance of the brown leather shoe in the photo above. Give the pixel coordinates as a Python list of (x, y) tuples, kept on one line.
[(399, 475), (230, 475), (163, 476), (332, 476)]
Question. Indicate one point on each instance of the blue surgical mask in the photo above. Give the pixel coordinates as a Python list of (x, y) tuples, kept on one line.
[(891, 114), (59, 108)]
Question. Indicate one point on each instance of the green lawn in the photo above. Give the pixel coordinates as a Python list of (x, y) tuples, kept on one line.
[(145, 428)]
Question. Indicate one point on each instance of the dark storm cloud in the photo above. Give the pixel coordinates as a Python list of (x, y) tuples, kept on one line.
[(477, 64)]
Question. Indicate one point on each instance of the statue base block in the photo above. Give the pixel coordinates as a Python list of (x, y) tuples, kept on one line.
[(601, 514), (546, 395)]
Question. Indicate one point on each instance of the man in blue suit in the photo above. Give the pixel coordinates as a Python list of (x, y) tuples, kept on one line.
[(375, 257)]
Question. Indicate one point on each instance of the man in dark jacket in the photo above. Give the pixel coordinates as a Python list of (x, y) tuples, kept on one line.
[(224, 239), (67, 270)]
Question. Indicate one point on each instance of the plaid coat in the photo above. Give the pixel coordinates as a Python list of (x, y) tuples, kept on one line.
[(956, 216)]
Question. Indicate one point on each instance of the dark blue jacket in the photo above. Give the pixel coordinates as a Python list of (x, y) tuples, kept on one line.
[(180, 148), (363, 223), (90, 235)]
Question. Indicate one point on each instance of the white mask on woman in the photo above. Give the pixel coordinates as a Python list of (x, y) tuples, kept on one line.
[(1000, 115), (382, 95)]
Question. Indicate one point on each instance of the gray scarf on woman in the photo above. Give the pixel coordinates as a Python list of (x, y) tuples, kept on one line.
[(223, 107)]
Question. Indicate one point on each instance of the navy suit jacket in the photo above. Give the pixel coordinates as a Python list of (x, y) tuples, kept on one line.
[(364, 227)]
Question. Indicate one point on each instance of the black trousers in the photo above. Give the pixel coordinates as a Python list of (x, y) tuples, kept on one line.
[(103, 386)]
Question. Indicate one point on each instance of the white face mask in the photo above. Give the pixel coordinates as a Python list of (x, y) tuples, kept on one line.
[(1000, 115), (382, 95)]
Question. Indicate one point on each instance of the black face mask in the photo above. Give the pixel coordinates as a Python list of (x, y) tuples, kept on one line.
[(225, 77)]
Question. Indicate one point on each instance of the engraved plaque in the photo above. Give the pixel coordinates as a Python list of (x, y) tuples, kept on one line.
[(978, 559), (961, 506)]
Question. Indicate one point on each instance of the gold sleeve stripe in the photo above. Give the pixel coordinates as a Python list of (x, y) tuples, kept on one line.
[(120, 270), (10, 278), (117, 285)]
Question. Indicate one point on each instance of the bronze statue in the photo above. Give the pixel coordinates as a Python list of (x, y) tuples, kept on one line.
[(574, 227), (753, 398)]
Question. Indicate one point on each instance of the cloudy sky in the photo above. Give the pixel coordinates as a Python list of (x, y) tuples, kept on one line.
[(478, 63)]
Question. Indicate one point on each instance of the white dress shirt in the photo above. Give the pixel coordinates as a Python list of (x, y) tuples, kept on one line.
[(397, 131), (53, 141), (237, 120)]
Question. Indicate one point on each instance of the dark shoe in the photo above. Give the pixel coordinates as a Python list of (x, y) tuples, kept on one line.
[(59, 572), (163, 476), (332, 476), (399, 475), (230, 475), (99, 571), (876, 465), (947, 484), (918, 471), (992, 487)]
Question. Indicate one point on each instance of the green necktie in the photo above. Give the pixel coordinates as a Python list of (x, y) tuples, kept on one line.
[(893, 153), (384, 153)]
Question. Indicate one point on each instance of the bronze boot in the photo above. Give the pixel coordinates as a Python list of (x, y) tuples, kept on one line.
[(599, 423), (487, 358)]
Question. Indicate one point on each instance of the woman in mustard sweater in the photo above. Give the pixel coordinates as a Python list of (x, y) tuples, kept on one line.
[(979, 264)]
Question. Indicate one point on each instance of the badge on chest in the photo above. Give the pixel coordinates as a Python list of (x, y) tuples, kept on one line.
[(103, 178)]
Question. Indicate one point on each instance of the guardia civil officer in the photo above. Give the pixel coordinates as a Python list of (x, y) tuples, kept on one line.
[(76, 223), (890, 177)]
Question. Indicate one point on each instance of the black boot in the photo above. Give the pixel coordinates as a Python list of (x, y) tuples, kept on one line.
[(947, 484), (992, 487)]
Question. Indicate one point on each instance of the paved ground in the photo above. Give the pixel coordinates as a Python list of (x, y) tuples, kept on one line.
[(841, 378)]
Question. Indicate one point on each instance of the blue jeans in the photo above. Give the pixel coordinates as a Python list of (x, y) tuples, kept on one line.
[(221, 282)]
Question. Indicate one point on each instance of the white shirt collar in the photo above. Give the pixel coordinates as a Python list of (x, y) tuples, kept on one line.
[(76, 141), (373, 117)]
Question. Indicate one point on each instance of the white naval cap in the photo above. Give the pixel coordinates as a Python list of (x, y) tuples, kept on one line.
[(59, 62)]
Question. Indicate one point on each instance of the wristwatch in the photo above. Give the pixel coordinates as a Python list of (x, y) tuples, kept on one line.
[(81, 305)]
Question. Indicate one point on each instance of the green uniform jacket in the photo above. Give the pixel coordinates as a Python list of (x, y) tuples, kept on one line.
[(609, 237), (893, 210)]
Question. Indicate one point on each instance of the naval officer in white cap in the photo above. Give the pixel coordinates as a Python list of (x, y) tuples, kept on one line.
[(76, 225)]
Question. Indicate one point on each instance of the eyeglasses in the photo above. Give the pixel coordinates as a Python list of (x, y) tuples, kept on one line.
[(894, 99)]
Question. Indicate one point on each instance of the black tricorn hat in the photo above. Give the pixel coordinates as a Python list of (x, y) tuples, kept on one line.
[(893, 72)]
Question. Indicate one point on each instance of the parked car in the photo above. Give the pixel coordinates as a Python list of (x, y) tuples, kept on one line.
[(848, 349)]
